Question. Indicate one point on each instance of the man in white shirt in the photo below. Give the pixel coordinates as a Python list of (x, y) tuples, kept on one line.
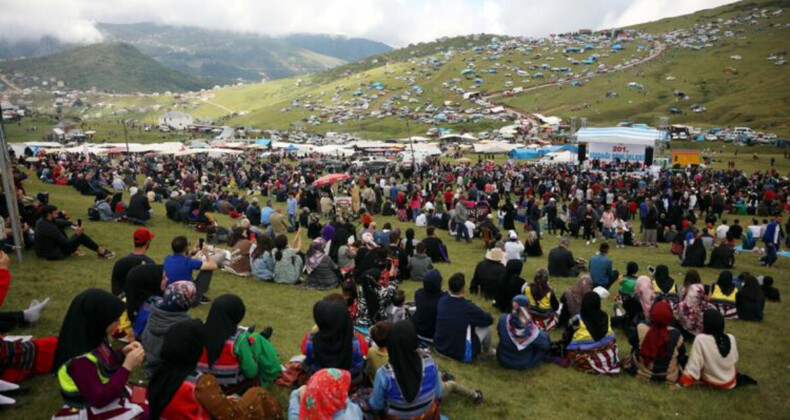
[(513, 248), (721, 231), (421, 220), (757, 230)]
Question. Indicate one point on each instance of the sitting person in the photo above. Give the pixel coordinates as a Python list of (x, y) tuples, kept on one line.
[(589, 340), (532, 246), (723, 294), (628, 282), (714, 357), (695, 254), (262, 264), (239, 263), (723, 256), (335, 344), (489, 274), (374, 298), (572, 299), (658, 354), (455, 315), (601, 270), (512, 286), (180, 265), (51, 242), (409, 385), (144, 285), (178, 391), (543, 301), (179, 297), (287, 261), (237, 359), (561, 260), (750, 300), (322, 272), (693, 304), (434, 247), (346, 254), (664, 286), (92, 375), (324, 397), (522, 345), (427, 300), (771, 293), (419, 263)]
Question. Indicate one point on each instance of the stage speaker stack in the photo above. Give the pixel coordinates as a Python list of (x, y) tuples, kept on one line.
[(582, 152), (648, 156)]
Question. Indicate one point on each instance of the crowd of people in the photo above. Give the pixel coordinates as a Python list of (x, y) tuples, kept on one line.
[(374, 352)]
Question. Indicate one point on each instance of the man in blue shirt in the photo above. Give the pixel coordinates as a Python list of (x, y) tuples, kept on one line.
[(291, 205), (179, 266), (601, 271), (454, 314), (266, 214)]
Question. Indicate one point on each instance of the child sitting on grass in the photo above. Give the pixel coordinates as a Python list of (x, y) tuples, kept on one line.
[(378, 357), (396, 312)]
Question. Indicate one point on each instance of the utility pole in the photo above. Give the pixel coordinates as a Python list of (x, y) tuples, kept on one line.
[(10, 194)]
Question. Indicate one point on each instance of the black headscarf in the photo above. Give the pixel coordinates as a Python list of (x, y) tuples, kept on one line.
[(142, 282), (695, 254), (725, 282), (409, 248), (631, 269), (332, 344), (663, 280), (751, 289), (224, 317), (713, 324), (339, 238), (594, 318), (406, 363), (370, 286), (181, 350), (511, 286), (85, 325)]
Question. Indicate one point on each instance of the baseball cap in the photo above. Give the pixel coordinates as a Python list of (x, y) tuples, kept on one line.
[(143, 235)]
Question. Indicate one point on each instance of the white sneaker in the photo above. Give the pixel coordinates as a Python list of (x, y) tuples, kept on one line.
[(593, 241), (588, 242)]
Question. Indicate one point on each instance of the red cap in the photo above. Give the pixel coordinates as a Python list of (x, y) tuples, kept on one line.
[(143, 235)]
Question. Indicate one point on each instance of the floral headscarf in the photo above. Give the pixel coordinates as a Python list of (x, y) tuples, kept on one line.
[(315, 254), (521, 333), (326, 394), (179, 297), (692, 307)]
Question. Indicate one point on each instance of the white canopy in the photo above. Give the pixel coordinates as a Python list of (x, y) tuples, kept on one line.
[(619, 135)]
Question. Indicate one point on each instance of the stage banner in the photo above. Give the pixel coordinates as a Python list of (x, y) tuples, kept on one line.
[(608, 152)]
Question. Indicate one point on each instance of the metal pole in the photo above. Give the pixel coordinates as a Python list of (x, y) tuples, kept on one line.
[(10, 195)]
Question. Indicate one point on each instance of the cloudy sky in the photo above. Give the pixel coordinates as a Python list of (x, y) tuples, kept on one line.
[(396, 22)]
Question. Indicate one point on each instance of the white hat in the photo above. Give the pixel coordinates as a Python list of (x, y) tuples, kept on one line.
[(133, 190), (512, 234), (495, 254)]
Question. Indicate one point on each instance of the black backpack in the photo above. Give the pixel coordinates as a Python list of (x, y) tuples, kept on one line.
[(93, 212)]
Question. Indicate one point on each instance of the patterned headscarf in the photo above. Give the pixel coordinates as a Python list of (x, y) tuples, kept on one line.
[(179, 297), (521, 333), (326, 394), (315, 254), (647, 295)]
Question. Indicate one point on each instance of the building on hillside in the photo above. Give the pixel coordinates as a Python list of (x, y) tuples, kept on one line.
[(175, 120)]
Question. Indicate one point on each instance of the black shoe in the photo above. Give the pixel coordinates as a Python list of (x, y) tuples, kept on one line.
[(204, 299), (267, 332), (478, 397), (447, 376), (22, 390)]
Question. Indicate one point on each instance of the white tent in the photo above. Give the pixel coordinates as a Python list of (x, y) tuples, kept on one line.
[(619, 135), (493, 147), (416, 139)]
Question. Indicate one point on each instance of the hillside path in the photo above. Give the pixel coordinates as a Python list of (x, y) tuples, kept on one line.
[(8, 83)]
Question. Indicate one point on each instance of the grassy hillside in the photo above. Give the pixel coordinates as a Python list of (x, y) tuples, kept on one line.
[(109, 66)]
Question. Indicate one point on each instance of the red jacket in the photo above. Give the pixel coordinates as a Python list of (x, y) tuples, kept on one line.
[(5, 283)]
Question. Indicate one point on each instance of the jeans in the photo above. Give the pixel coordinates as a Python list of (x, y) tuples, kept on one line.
[(770, 255), (620, 239), (461, 230), (75, 241), (292, 221), (414, 214)]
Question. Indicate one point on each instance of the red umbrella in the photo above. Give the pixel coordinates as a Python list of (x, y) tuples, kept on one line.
[(330, 179)]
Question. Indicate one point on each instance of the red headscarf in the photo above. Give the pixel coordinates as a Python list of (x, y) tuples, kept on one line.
[(655, 343), (325, 394)]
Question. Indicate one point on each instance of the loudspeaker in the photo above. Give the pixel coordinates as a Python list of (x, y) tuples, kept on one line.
[(648, 156), (582, 152)]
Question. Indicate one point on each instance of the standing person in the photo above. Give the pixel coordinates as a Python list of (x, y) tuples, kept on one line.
[(141, 238), (291, 205), (772, 237), (514, 250), (52, 244), (522, 345), (459, 320), (91, 374), (601, 268), (650, 224), (179, 267), (461, 214)]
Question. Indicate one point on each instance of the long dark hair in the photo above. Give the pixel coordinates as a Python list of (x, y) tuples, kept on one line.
[(409, 248), (236, 235), (263, 244), (280, 243)]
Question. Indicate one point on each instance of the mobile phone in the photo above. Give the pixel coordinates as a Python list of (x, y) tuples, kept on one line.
[(79, 222), (139, 394), (200, 243), (651, 269)]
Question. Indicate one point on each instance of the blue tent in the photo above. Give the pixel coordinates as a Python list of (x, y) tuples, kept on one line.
[(617, 47), (700, 138), (479, 81), (357, 92), (291, 148), (523, 154), (441, 117), (263, 142), (467, 71)]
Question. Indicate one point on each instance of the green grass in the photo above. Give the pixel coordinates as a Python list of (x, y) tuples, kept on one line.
[(546, 392)]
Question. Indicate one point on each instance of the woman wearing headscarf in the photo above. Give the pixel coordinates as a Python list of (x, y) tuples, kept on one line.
[(664, 286), (659, 353), (543, 301), (522, 345), (179, 297), (589, 340), (339, 237), (223, 340), (532, 243), (178, 392), (322, 272), (426, 300), (645, 294), (143, 282), (325, 397), (723, 294), (408, 245), (695, 254), (409, 386), (91, 374), (714, 356), (723, 256), (373, 298), (572, 299), (750, 301), (512, 286), (693, 303), (335, 344)]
